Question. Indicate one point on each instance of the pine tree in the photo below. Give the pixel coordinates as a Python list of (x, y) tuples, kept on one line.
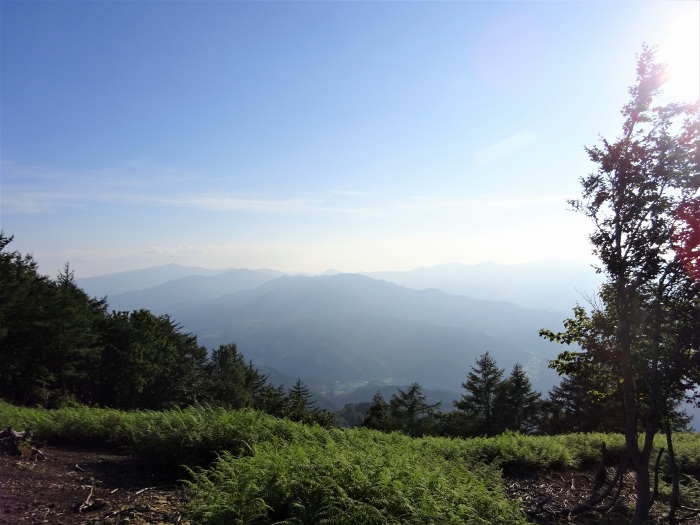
[(478, 404), (232, 382), (519, 402), (411, 413), (378, 417)]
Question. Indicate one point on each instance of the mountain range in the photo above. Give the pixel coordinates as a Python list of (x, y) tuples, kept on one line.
[(549, 284), (348, 336), (340, 332)]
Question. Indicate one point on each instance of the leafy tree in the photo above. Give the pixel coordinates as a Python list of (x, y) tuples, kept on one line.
[(479, 403), (643, 180), (590, 394), (686, 235), (411, 413)]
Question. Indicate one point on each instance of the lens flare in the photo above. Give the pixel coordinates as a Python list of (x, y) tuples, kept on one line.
[(680, 50)]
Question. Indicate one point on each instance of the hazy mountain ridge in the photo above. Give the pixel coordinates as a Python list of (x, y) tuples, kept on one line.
[(349, 328), (361, 332), (114, 284), (190, 288), (548, 284)]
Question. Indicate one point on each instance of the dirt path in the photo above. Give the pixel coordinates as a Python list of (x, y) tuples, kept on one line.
[(54, 490)]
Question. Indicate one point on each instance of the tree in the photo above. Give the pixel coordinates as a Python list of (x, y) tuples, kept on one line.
[(482, 386), (49, 334), (352, 415), (411, 413), (589, 396), (686, 235), (378, 417), (25, 323), (579, 409), (643, 180), (74, 342), (520, 402), (299, 401), (148, 362), (302, 407), (272, 400), (232, 382)]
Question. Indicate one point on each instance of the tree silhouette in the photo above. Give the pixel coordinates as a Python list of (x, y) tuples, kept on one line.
[(478, 404)]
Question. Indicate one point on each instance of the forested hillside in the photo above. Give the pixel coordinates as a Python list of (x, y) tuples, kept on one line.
[(352, 329), (61, 347)]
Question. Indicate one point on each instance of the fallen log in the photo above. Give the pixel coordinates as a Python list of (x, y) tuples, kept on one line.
[(21, 443)]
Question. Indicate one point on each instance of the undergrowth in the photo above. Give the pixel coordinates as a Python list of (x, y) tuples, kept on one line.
[(248, 467)]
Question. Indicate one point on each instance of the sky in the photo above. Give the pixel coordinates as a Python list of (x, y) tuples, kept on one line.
[(304, 136)]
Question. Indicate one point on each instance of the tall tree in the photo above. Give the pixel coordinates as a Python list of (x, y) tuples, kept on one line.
[(25, 323), (231, 381), (302, 407), (148, 362), (520, 402), (411, 413), (378, 417), (642, 180), (482, 386), (75, 340), (581, 409), (49, 334)]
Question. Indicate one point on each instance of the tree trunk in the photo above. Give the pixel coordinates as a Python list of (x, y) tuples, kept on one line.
[(675, 484), (640, 462), (641, 510)]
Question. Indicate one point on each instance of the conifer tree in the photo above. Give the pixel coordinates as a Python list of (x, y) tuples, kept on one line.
[(519, 404), (479, 402), (378, 417), (411, 413)]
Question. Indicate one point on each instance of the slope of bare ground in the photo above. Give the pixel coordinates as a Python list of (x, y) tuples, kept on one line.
[(554, 498), (75, 486)]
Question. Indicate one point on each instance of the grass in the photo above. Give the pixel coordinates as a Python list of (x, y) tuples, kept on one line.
[(247, 467)]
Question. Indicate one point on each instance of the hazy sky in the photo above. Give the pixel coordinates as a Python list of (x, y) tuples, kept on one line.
[(303, 136)]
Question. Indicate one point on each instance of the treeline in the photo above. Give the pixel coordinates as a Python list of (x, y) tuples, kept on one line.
[(58, 347), (492, 404)]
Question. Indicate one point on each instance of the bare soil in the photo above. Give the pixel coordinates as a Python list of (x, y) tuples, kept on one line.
[(76, 486)]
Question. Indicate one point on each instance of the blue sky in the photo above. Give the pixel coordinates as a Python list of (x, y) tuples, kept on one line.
[(303, 136)]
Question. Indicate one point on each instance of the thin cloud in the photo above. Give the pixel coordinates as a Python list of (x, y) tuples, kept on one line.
[(234, 204), (504, 147), (433, 203), (349, 193)]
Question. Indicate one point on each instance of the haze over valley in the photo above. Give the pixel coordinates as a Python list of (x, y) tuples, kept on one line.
[(339, 332)]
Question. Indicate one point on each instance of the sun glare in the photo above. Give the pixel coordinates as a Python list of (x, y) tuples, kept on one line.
[(680, 50)]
